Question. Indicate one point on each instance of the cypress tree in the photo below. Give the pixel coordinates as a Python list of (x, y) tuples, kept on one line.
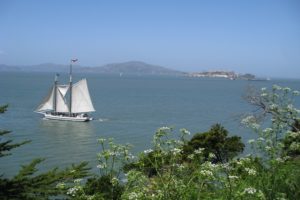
[(28, 183)]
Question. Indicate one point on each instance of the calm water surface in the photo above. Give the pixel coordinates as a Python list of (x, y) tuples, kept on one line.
[(129, 109)]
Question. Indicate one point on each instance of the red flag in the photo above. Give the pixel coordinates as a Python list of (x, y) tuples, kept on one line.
[(74, 60)]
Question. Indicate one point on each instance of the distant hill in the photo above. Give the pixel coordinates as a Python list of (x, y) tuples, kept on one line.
[(45, 67), (132, 67), (135, 67), (9, 68)]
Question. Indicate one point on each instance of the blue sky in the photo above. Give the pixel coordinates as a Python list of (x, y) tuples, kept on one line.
[(256, 36)]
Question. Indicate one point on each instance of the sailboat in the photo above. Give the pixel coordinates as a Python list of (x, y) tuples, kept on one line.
[(55, 105)]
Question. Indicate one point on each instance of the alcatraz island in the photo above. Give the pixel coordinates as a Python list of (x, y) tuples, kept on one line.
[(223, 74)]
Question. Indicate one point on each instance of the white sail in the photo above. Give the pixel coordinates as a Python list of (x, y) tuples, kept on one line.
[(81, 100), (47, 103), (63, 89), (61, 105)]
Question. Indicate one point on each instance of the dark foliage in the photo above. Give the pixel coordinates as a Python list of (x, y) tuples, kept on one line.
[(215, 141), (289, 148), (284, 178), (7, 145), (147, 167), (27, 184), (3, 108), (296, 126), (102, 187)]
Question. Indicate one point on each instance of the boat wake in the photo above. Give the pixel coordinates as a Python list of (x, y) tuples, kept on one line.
[(103, 120)]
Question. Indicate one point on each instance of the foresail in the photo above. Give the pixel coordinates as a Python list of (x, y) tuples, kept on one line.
[(81, 100), (47, 103), (61, 105), (63, 89)]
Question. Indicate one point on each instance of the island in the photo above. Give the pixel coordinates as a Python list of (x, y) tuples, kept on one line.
[(222, 74)]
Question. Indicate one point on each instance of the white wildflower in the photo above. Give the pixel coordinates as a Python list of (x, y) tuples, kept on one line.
[(255, 126), (260, 139), (225, 166), (295, 146), (191, 156), (286, 89), (199, 151), (239, 162), (245, 159), (112, 153), (263, 94), (176, 151), (290, 107), (114, 181), (285, 158), (233, 177), (250, 171), (294, 134), (179, 142), (148, 151), (181, 167), (60, 185), (251, 141), (267, 130), (250, 190), (263, 89), (101, 166), (168, 142), (273, 106), (133, 196), (185, 132), (206, 172), (210, 165), (211, 155), (164, 128), (101, 140), (268, 148), (72, 191), (276, 87), (296, 93), (77, 180), (130, 157), (248, 120)]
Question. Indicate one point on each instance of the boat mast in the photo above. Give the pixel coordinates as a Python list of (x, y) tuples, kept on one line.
[(70, 106), (55, 92)]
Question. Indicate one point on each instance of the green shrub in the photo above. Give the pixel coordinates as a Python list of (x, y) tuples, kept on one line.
[(216, 141)]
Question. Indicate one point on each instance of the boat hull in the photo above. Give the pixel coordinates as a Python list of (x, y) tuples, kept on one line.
[(77, 118)]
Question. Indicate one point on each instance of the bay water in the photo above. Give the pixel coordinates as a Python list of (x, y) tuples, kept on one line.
[(128, 109)]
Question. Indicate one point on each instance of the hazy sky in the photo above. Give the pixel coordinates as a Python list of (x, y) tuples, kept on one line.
[(256, 36)]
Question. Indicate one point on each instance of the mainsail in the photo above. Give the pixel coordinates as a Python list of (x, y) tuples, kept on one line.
[(47, 103), (81, 100), (61, 105)]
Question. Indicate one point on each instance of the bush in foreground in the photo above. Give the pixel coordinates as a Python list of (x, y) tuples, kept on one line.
[(27, 183)]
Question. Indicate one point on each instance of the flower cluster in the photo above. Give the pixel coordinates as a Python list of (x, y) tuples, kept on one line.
[(250, 171)]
